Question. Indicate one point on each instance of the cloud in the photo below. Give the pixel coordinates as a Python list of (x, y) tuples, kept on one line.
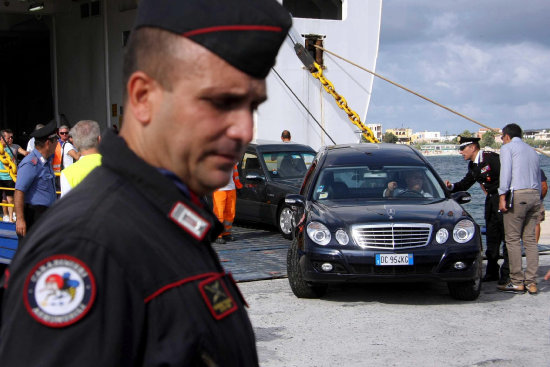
[(488, 60)]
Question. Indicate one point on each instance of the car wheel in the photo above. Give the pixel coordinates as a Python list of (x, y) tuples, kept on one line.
[(469, 290), (286, 221), (299, 286)]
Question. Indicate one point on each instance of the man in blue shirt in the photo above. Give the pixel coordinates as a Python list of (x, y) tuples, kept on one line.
[(35, 186), (519, 176)]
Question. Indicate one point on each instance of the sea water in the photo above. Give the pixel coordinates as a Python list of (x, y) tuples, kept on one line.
[(454, 168)]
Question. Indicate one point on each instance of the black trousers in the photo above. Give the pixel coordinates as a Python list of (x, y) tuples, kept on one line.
[(32, 213), (495, 236)]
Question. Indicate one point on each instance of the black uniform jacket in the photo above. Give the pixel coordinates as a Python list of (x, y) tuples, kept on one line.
[(120, 272), (487, 173)]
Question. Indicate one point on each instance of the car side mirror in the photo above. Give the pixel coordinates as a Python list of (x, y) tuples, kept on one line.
[(295, 200), (461, 197), (253, 176)]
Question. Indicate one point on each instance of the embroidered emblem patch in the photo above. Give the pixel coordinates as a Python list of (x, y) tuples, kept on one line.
[(217, 297), (186, 218), (485, 169), (59, 291)]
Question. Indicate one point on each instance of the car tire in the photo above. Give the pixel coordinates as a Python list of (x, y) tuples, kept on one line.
[(285, 221), (468, 290), (300, 287)]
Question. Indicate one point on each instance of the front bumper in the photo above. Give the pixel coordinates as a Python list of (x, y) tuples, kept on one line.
[(431, 263)]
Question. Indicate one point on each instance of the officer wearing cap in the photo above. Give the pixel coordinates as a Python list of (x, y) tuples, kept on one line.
[(35, 185), (484, 167), (121, 271)]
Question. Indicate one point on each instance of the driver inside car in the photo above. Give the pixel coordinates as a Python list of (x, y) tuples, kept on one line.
[(414, 181)]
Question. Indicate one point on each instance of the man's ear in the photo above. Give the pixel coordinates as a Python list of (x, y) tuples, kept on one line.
[(141, 88)]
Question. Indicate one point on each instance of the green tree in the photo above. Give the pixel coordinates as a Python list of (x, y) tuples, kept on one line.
[(389, 138), (488, 139), (531, 142), (466, 133)]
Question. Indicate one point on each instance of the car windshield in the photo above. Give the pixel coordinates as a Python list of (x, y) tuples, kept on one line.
[(386, 183), (285, 165)]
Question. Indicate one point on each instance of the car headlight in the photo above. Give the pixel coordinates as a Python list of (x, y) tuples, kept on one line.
[(318, 233), (442, 236), (342, 237), (464, 231)]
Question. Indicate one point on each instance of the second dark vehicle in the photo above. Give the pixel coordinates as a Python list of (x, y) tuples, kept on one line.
[(379, 213), (269, 171)]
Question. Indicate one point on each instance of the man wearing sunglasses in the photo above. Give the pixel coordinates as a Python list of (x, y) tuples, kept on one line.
[(66, 153)]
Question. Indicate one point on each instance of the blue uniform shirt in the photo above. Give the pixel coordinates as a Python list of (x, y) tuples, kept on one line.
[(36, 179)]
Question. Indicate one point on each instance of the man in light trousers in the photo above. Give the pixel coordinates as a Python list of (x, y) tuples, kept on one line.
[(520, 179)]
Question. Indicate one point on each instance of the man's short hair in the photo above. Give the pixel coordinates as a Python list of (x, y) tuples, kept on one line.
[(512, 130), (150, 50), (64, 127), (6, 131), (40, 142), (85, 134), (285, 134)]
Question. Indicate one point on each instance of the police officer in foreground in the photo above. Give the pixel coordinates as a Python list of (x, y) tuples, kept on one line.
[(121, 271), (35, 185), (484, 167)]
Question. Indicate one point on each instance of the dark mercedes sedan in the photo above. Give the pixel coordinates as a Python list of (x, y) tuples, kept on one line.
[(269, 171), (379, 213)]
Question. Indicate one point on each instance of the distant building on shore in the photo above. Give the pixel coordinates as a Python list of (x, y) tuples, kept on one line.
[(376, 130), (426, 137), (447, 138), (537, 134), (404, 135)]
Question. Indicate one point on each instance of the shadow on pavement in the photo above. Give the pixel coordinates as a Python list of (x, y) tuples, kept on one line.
[(258, 252)]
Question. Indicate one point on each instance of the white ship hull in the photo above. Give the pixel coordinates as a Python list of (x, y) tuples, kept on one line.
[(356, 38)]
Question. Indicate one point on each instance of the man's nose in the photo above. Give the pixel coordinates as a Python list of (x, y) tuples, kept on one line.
[(242, 125)]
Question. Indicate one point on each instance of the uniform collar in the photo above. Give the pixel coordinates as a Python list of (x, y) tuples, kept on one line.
[(40, 157), (161, 190), (479, 157)]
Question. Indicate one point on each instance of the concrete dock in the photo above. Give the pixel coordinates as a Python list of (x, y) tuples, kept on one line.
[(391, 324)]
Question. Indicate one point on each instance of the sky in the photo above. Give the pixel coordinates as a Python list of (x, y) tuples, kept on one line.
[(489, 60)]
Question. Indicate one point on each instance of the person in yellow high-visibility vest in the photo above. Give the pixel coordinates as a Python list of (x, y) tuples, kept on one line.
[(225, 202), (86, 137)]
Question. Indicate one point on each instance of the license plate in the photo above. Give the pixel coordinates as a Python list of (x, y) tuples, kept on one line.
[(394, 259)]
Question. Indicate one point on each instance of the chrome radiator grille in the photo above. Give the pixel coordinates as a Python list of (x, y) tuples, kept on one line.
[(392, 235)]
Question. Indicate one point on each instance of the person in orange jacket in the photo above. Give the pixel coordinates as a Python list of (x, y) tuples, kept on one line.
[(225, 201)]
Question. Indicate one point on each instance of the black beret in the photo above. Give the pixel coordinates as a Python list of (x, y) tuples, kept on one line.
[(466, 140), (47, 131), (245, 33)]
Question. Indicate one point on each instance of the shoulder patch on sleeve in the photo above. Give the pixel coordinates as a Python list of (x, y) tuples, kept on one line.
[(189, 220), (34, 161), (59, 291), (217, 297)]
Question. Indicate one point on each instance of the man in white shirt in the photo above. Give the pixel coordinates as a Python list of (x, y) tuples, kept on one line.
[(30, 144), (68, 151)]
